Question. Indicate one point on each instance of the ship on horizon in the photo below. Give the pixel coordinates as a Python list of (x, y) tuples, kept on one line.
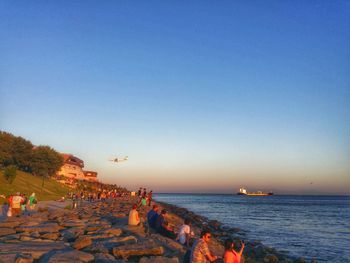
[(243, 191)]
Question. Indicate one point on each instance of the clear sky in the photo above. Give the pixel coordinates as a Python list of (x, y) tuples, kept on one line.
[(203, 96)]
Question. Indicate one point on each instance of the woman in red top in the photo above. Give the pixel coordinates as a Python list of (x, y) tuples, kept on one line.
[(232, 256)]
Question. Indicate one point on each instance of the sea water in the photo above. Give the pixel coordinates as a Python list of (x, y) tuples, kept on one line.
[(312, 227)]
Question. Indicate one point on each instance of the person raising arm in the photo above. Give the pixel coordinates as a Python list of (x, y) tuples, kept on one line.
[(232, 256)]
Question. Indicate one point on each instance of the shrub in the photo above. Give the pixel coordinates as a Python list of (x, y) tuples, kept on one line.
[(10, 173)]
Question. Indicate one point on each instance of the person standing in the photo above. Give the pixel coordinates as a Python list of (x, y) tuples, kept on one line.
[(149, 198), (16, 204), (200, 251), (24, 203), (230, 255), (32, 201)]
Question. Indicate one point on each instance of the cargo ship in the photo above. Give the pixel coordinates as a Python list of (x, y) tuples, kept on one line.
[(243, 191)]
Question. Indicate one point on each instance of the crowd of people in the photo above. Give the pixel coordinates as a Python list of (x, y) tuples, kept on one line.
[(144, 197), (198, 249), (19, 203)]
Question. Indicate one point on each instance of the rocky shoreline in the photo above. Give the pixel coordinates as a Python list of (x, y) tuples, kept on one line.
[(98, 232), (254, 251)]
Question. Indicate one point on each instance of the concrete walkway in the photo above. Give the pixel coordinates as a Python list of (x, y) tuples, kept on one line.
[(51, 205)]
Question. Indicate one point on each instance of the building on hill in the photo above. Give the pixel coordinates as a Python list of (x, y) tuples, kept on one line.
[(73, 169), (90, 176)]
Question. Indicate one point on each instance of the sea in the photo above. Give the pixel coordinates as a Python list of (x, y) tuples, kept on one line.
[(311, 227)]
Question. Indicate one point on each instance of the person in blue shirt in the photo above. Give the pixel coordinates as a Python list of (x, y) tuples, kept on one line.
[(163, 227), (152, 216)]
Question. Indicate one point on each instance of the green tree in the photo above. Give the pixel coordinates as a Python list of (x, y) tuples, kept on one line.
[(6, 142), (10, 173), (45, 162), (21, 153), (15, 151)]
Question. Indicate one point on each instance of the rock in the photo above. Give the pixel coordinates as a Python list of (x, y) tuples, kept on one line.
[(97, 248), (23, 258), (82, 242), (6, 231), (105, 258), (159, 260), (71, 234), (73, 223), (43, 228), (8, 257), (35, 234), (10, 224), (35, 249), (119, 215), (68, 256), (51, 236), (114, 231), (138, 230), (31, 223), (25, 238), (99, 236), (171, 244), (149, 248), (119, 241), (270, 258)]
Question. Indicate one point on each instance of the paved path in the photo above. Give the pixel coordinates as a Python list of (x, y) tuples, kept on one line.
[(52, 205)]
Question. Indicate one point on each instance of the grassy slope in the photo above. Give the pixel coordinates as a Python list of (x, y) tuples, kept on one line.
[(27, 183)]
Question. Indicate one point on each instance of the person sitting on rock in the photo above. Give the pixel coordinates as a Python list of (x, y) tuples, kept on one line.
[(134, 218), (185, 236), (152, 216), (200, 250), (230, 255), (162, 226)]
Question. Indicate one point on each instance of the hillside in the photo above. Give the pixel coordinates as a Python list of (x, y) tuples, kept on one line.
[(27, 183)]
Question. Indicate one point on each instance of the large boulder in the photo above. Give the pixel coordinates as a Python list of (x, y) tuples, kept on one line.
[(149, 248), (51, 236), (114, 231), (10, 223), (35, 249), (68, 256), (82, 242), (169, 243), (6, 231), (43, 228), (71, 234), (105, 258), (15, 258), (118, 241)]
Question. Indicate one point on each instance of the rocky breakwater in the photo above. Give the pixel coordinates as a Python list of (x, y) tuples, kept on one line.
[(98, 232), (95, 232), (254, 251)]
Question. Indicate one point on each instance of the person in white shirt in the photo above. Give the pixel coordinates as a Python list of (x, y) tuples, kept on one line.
[(185, 233)]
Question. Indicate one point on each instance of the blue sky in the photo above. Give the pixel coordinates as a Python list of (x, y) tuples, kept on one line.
[(202, 96)]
